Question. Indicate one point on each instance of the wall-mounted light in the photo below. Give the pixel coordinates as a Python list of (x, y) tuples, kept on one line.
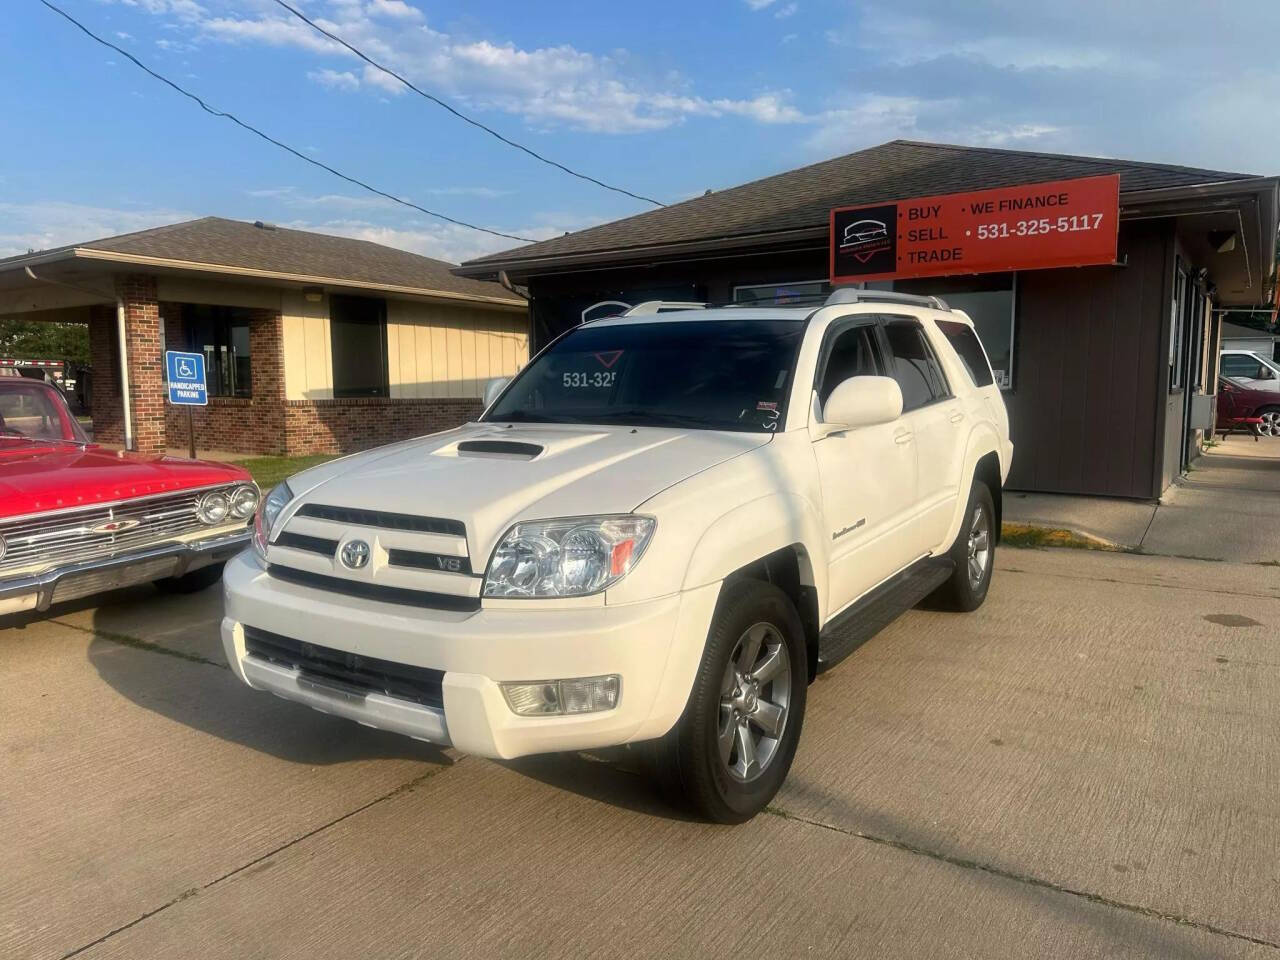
[(1222, 241), (313, 294)]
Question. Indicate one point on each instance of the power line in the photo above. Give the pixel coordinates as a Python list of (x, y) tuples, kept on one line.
[(459, 114), (272, 140)]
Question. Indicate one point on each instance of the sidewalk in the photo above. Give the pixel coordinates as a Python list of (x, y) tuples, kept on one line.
[(1227, 508)]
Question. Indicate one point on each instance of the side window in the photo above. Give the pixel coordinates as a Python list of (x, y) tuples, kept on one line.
[(965, 343), (1240, 365), (853, 354), (914, 366)]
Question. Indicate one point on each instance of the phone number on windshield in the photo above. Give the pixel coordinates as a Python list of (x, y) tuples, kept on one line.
[(1032, 228)]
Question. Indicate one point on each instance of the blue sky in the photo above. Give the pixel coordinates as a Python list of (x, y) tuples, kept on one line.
[(666, 98)]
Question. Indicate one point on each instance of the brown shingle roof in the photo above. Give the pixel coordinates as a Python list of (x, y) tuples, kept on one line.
[(213, 241), (803, 198)]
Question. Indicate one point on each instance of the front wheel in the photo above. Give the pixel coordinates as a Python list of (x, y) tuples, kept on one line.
[(973, 553), (1270, 426), (730, 751)]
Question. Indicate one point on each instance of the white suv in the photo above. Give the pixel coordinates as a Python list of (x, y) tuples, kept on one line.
[(657, 535)]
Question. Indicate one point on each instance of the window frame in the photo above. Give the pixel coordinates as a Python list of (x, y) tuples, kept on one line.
[(887, 347), (972, 331), (833, 332), (382, 324)]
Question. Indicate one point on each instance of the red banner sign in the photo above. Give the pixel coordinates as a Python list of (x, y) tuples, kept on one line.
[(1066, 223)]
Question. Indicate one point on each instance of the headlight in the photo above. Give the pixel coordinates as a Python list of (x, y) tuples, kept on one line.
[(268, 513), (566, 558), (244, 500), (213, 507)]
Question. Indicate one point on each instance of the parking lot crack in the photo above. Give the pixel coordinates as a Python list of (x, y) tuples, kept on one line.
[(125, 640), (1033, 881), (406, 787)]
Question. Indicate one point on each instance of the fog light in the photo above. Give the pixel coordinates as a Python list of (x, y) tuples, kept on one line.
[(557, 697)]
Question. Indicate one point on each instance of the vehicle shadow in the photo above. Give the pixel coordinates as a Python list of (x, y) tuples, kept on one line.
[(182, 676), (616, 777)]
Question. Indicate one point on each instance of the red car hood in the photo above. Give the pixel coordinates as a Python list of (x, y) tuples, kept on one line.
[(35, 477)]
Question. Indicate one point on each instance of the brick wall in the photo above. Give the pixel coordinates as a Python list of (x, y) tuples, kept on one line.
[(146, 374), (343, 426), (104, 393)]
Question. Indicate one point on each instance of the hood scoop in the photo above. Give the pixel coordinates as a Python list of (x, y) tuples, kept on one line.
[(499, 449)]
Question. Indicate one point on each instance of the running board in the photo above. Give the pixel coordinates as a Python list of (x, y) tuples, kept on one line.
[(879, 608)]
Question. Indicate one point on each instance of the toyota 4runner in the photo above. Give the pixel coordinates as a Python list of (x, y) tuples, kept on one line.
[(657, 534)]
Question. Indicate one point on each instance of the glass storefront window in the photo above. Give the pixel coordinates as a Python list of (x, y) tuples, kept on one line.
[(779, 294), (990, 301)]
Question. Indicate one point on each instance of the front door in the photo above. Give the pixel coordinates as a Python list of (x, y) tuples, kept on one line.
[(868, 477)]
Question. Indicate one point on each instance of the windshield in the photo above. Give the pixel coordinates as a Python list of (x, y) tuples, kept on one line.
[(32, 411), (705, 374)]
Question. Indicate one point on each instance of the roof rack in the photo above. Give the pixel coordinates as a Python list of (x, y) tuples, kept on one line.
[(846, 295), (662, 306)]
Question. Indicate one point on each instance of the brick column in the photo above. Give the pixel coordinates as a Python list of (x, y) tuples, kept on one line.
[(104, 381), (146, 373)]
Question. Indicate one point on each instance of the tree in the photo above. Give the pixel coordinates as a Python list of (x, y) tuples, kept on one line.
[(45, 340)]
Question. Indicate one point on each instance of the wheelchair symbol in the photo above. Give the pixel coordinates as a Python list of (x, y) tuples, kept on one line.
[(186, 369)]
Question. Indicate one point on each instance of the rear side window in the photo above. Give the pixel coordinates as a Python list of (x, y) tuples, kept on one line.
[(914, 366), (965, 343), (1242, 365)]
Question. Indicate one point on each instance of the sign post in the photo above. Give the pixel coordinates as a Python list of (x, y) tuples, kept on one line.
[(1065, 223), (185, 377)]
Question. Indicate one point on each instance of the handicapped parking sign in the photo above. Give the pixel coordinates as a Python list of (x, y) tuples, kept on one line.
[(185, 374)]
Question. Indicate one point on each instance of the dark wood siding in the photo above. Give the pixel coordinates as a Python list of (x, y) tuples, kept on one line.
[(1087, 407)]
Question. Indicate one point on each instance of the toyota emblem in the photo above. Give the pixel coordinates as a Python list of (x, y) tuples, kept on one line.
[(355, 554)]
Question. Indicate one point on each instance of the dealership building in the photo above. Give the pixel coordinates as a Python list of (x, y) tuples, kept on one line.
[(1108, 368), (312, 343)]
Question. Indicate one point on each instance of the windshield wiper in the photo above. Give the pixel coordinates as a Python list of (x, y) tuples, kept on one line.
[(530, 416), (23, 436), (659, 418)]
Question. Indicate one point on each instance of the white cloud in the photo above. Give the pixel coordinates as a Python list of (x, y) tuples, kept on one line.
[(41, 225), (334, 80), (758, 4), (546, 86), (788, 10)]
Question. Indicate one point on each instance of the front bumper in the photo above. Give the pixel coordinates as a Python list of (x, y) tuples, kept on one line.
[(654, 646), (74, 580)]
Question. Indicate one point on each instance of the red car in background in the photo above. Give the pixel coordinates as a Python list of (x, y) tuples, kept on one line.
[(1240, 405), (77, 519)]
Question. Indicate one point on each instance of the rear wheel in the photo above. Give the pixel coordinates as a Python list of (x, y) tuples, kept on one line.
[(732, 748), (192, 582), (1270, 426), (973, 554)]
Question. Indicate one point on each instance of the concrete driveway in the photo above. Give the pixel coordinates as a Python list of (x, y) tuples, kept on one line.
[(1087, 767)]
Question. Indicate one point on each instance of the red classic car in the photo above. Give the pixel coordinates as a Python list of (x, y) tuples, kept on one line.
[(1242, 407), (78, 519)]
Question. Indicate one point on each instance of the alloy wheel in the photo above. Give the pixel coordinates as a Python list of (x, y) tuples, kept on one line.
[(1270, 426), (754, 699), (979, 546)]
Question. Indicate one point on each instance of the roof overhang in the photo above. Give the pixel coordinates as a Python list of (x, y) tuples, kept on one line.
[(1253, 204), (89, 260)]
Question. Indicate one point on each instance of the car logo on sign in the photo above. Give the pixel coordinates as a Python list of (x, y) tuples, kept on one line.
[(355, 554), (114, 526)]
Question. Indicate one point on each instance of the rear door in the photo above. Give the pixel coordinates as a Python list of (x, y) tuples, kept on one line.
[(867, 474), (935, 417)]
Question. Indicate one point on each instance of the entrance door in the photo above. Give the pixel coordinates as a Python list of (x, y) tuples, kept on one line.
[(1191, 355), (868, 477)]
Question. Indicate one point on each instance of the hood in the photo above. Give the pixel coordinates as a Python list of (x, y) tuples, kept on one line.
[(36, 476), (491, 475)]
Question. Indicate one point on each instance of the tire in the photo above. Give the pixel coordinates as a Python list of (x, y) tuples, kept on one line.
[(1270, 426), (973, 553), (704, 761), (192, 582)]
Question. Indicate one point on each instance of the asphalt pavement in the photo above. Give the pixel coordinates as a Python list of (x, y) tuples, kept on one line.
[(1089, 766)]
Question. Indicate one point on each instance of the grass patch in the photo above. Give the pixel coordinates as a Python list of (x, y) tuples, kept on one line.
[(1026, 535), (268, 471)]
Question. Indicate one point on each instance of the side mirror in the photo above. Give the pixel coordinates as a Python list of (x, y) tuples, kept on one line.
[(493, 388), (861, 402)]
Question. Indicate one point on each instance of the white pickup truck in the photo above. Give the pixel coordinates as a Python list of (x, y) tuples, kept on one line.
[(657, 534)]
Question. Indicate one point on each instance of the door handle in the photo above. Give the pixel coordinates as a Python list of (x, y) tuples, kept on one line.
[(904, 437), (956, 417)]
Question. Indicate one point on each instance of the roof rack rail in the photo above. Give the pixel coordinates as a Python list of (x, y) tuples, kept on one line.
[(662, 306), (846, 295)]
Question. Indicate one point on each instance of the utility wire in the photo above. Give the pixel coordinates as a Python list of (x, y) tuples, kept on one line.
[(272, 140), (459, 114)]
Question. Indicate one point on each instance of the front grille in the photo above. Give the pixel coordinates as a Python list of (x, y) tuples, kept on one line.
[(349, 672), (68, 536), (381, 518), (375, 591), (302, 541)]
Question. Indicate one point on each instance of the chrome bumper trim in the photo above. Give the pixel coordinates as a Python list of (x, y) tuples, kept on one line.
[(187, 557), (371, 709)]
